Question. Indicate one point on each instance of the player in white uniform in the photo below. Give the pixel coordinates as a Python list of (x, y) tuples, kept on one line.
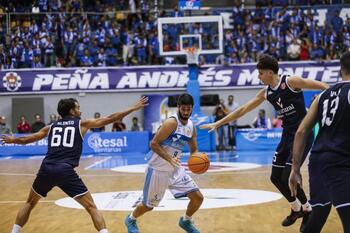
[(164, 169)]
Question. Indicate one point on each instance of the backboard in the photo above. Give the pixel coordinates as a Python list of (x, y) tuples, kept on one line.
[(177, 33)]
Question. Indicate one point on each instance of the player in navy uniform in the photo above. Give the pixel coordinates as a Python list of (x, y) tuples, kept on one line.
[(285, 94), (65, 139), (329, 166)]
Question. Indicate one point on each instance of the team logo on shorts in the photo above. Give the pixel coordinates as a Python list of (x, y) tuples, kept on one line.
[(12, 81)]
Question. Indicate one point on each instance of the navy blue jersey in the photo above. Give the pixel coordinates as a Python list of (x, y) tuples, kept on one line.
[(333, 117), (65, 142), (288, 103)]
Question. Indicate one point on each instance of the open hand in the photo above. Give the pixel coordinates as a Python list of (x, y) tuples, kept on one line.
[(212, 127), (7, 139), (175, 162), (141, 103)]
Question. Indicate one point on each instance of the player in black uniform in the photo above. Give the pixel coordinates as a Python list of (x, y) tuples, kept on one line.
[(329, 166), (65, 139), (285, 94)]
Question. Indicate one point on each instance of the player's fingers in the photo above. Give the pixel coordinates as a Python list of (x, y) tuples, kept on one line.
[(203, 126), (3, 139), (212, 129), (292, 185), (293, 190), (143, 100), (175, 164)]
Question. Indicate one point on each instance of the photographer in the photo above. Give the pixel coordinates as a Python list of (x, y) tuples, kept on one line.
[(222, 131)]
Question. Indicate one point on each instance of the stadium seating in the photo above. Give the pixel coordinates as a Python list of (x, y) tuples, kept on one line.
[(71, 36)]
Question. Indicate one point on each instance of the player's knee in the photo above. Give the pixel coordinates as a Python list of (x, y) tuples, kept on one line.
[(91, 207), (198, 198), (285, 179), (31, 203)]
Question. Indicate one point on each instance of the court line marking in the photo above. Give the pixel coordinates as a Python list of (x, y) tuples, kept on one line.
[(37, 157), (15, 202), (98, 162), (141, 174), (15, 174)]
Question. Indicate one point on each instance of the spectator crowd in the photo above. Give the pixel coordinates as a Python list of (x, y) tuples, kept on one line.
[(24, 126), (226, 134), (68, 35)]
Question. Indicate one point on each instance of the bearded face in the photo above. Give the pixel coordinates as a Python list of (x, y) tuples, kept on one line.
[(185, 111)]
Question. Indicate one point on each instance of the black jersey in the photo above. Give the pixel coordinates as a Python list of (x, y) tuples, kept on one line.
[(288, 103), (65, 142), (333, 117)]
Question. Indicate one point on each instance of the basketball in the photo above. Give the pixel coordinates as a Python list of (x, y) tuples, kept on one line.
[(198, 163)]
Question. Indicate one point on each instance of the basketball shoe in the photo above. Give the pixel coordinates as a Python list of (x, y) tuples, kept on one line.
[(131, 225), (188, 226), (290, 219)]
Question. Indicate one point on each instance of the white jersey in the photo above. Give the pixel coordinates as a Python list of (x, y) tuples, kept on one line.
[(174, 145)]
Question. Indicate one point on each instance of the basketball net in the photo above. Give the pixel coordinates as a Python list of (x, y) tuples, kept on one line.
[(192, 55)]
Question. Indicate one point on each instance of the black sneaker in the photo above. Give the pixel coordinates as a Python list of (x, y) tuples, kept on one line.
[(290, 219), (305, 219)]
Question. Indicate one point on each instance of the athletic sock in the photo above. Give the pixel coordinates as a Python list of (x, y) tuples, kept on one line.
[(131, 216), (186, 218), (295, 205), (103, 231), (307, 207), (16, 228)]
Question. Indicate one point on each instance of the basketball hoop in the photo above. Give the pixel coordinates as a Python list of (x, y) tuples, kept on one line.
[(192, 55)]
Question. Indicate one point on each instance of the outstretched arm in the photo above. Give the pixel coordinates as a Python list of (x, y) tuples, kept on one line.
[(239, 112), (298, 83), (26, 139), (100, 122), (300, 140)]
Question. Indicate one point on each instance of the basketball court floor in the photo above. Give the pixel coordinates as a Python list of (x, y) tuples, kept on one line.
[(238, 196)]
